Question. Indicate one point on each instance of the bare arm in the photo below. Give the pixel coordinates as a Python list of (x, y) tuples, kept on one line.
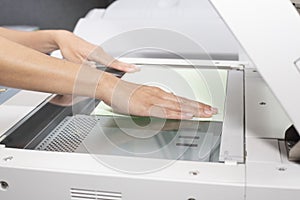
[(72, 47), (42, 41), (26, 68)]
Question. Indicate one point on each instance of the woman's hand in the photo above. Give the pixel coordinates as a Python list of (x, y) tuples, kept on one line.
[(77, 50), (141, 100)]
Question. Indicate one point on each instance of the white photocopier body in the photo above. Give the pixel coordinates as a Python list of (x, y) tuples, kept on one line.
[(256, 41)]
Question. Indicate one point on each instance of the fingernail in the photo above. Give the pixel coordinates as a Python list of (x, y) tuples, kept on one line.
[(214, 110), (208, 111), (138, 68), (134, 69)]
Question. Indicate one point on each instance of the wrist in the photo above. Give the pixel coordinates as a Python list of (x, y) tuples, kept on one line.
[(58, 36), (51, 36), (105, 87)]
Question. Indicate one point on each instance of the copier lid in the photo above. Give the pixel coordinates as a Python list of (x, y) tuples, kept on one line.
[(269, 32)]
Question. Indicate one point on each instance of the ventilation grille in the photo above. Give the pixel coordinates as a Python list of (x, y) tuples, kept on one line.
[(69, 134), (82, 194)]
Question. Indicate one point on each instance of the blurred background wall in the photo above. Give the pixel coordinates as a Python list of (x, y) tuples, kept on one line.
[(47, 14)]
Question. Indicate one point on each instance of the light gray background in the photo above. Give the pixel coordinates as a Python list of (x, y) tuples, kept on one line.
[(47, 14)]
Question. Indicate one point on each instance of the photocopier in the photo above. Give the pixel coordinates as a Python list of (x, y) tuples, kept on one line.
[(246, 54)]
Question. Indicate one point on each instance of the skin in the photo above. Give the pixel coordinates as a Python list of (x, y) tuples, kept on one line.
[(24, 64)]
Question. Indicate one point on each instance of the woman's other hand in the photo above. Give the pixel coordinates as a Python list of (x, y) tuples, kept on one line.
[(77, 50)]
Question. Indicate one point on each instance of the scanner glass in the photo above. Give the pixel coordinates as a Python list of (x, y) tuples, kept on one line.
[(194, 140), (154, 138)]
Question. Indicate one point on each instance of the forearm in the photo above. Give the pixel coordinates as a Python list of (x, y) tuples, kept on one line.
[(25, 68), (43, 41)]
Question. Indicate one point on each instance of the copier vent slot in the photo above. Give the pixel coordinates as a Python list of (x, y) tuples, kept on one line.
[(68, 135), (83, 194)]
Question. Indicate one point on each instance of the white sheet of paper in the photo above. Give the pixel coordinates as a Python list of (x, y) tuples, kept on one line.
[(203, 85)]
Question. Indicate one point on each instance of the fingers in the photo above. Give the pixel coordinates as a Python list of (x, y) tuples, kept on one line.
[(125, 67), (171, 113), (172, 97), (194, 110), (80, 51), (100, 56), (160, 105), (180, 104), (162, 112)]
